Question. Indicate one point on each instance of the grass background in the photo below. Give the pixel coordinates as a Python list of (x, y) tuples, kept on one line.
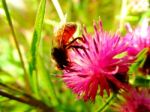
[(28, 26)]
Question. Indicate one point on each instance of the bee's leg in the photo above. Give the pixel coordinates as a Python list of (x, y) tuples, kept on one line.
[(76, 47), (74, 40)]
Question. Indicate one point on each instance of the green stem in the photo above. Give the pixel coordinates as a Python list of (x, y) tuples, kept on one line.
[(101, 109), (28, 100), (10, 88), (16, 43), (124, 12), (58, 9)]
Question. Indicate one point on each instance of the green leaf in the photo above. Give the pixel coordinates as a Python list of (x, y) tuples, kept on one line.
[(37, 34), (8, 16), (142, 81), (121, 55), (35, 44), (139, 62)]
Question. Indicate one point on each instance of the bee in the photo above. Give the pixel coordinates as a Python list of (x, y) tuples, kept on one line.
[(60, 53)]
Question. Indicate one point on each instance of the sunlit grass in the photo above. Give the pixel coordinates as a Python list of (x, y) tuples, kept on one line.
[(30, 80)]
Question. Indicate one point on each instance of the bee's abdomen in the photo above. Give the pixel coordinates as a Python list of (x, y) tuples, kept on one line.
[(60, 56)]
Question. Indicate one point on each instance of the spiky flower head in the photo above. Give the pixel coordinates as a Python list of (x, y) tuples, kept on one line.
[(97, 66), (135, 101), (138, 39)]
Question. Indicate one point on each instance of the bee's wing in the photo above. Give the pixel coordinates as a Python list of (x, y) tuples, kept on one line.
[(64, 33), (69, 30), (58, 36)]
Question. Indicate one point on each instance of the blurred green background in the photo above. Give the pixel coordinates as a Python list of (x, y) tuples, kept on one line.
[(48, 88)]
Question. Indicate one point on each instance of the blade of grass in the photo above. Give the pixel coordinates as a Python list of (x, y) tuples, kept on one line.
[(58, 9), (139, 61), (17, 45), (142, 82), (35, 44), (123, 14), (101, 109), (46, 82), (28, 100)]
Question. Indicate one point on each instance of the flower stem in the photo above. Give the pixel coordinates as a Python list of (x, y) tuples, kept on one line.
[(16, 42), (107, 103), (28, 100), (58, 9), (124, 12)]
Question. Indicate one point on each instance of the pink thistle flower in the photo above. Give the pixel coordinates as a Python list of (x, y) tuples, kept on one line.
[(96, 66), (139, 39), (136, 101)]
